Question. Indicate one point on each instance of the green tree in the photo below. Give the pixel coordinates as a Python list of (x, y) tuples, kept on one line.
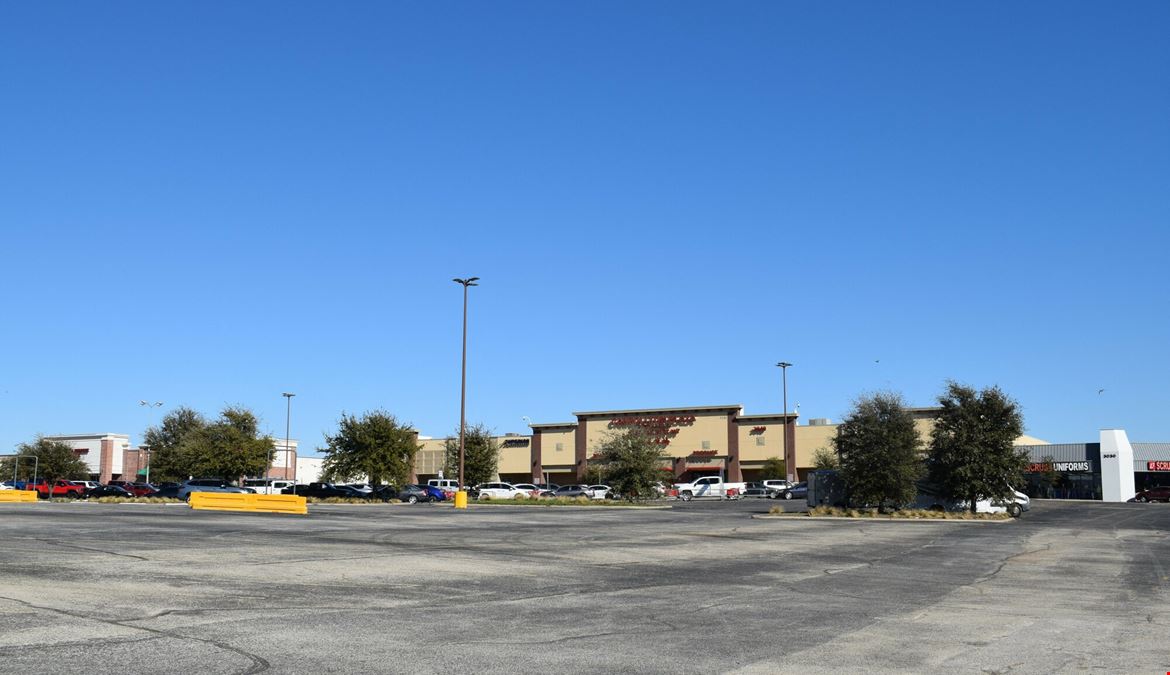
[(878, 448), (54, 461), (229, 447), (374, 445), (1051, 477), (631, 462), (167, 460), (971, 453), (481, 455), (824, 458), (774, 468)]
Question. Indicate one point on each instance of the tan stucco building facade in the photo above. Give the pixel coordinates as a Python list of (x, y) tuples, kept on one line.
[(696, 441)]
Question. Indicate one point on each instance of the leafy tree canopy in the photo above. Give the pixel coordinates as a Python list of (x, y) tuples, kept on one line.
[(375, 446), (167, 461), (878, 448), (186, 444), (971, 454), (631, 463), (774, 468), (481, 455), (54, 460), (824, 458)]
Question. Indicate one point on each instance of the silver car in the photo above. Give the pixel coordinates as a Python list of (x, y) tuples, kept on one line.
[(209, 485)]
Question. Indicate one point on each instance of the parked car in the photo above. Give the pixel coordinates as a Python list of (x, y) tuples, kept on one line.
[(208, 485), (141, 489), (87, 484), (708, 486), (757, 491), (530, 488), (546, 487), (499, 491), (171, 491), (775, 486), (797, 491), (107, 491), (7, 485), (434, 494), (598, 491), (412, 494), (448, 485), (264, 486), (59, 488), (1154, 494), (567, 491)]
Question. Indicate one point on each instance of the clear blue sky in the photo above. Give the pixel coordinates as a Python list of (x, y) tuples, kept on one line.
[(211, 203)]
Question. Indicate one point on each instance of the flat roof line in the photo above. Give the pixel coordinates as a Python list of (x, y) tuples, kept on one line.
[(645, 411)]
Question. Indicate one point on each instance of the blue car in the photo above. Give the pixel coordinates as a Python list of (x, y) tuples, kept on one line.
[(798, 491), (434, 494)]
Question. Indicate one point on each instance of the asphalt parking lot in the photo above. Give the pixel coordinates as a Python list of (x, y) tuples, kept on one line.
[(702, 587)]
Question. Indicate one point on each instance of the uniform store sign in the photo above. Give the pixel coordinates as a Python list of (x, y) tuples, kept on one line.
[(1066, 467)]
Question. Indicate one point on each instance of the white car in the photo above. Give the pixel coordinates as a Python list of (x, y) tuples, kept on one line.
[(775, 486), (7, 485), (88, 484), (597, 491), (530, 488), (500, 491)]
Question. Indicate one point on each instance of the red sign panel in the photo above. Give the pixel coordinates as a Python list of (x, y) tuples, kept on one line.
[(1157, 466)]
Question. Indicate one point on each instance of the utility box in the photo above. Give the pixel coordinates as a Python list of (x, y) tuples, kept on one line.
[(826, 487)]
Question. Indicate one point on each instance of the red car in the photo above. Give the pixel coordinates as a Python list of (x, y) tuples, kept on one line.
[(140, 489), (1154, 494), (59, 488)]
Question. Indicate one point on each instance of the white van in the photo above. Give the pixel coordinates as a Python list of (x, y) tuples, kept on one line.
[(447, 485), (261, 485)]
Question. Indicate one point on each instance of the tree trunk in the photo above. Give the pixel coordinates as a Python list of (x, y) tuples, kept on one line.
[(972, 502)]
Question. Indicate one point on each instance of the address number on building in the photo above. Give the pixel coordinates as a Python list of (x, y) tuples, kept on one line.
[(1157, 466)]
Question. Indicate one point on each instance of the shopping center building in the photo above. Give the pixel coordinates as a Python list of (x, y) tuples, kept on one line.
[(696, 441)]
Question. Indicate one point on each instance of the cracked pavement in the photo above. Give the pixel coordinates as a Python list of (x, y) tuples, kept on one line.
[(1071, 586)]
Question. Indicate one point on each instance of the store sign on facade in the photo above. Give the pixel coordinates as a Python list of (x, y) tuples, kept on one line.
[(1157, 466), (660, 428), (1067, 467)]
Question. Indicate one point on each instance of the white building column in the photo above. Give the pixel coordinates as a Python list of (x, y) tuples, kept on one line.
[(1116, 466)]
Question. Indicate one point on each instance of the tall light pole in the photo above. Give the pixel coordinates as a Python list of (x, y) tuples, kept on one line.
[(287, 425), (788, 462), (147, 404), (470, 281)]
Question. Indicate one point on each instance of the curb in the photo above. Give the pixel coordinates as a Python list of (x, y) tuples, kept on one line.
[(809, 518)]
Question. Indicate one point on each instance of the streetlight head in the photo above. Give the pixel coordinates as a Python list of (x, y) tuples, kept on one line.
[(783, 364), (288, 395), (470, 281)]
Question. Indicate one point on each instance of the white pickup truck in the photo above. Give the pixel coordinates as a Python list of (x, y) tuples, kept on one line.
[(709, 486)]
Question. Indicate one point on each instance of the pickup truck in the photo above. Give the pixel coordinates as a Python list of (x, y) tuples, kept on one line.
[(59, 488), (709, 486)]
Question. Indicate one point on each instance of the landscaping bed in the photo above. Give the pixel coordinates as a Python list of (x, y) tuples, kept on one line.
[(901, 514)]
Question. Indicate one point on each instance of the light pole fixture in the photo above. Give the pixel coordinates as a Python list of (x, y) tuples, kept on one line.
[(287, 425), (146, 448), (789, 462), (469, 281)]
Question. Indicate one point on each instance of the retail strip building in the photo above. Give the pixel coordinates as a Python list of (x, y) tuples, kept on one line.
[(696, 441)]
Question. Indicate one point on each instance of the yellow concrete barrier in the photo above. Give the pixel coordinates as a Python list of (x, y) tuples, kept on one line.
[(232, 501), (461, 499), (12, 496)]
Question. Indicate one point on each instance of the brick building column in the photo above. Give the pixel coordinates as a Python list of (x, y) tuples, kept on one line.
[(537, 462), (580, 448), (734, 475), (106, 461)]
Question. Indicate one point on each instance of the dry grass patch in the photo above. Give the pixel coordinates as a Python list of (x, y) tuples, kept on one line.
[(901, 514)]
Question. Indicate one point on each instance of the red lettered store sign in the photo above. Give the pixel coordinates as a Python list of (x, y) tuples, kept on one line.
[(1157, 466)]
